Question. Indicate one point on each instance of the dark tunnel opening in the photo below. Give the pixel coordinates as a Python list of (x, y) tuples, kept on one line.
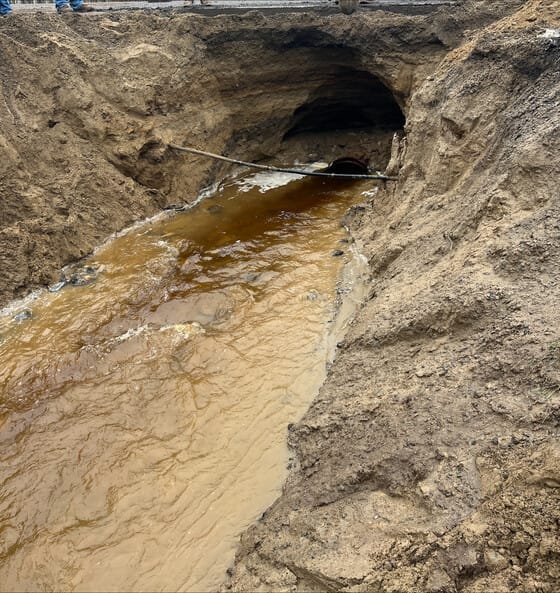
[(351, 100)]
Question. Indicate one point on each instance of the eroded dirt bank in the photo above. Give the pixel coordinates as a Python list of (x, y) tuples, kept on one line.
[(430, 461), (87, 103)]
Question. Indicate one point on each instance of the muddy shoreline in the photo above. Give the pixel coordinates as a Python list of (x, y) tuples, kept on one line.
[(430, 460)]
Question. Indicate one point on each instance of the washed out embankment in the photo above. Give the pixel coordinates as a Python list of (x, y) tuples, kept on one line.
[(430, 459), (428, 462), (88, 105)]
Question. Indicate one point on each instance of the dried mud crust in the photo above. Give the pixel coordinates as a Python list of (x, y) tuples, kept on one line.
[(430, 460)]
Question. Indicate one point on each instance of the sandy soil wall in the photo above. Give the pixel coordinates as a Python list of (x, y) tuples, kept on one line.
[(88, 103), (430, 460)]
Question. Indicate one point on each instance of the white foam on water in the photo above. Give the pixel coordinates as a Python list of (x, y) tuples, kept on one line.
[(131, 333), (133, 227), (266, 181), (170, 249), (369, 193), (19, 305), (205, 193), (148, 222), (185, 330)]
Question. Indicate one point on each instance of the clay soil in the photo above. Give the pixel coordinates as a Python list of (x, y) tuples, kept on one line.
[(430, 460)]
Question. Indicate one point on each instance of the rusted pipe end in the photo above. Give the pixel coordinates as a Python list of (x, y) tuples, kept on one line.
[(349, 165)]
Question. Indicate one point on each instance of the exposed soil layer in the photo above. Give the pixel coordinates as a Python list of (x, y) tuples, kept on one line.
[(87, 103), (430, 460)]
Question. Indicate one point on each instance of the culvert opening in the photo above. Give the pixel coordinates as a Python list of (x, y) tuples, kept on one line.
[(353, 112)]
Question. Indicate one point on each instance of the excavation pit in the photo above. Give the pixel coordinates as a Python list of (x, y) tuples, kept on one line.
[(429, 459)]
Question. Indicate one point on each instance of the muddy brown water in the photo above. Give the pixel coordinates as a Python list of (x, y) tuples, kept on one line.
[(143, 417)]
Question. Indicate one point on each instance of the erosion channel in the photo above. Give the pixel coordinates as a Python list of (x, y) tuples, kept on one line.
[(429, 459), (147, 410)]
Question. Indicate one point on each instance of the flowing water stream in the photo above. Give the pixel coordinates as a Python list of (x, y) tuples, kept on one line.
[(143, 417)]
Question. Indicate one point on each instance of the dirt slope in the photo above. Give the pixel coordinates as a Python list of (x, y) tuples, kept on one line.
[(86, 104), (430, 460)]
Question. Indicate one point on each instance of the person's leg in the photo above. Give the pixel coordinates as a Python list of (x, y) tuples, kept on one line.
[(61, 5), (5, 7)]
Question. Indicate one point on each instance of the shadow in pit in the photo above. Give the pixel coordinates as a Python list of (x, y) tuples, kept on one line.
[(354, 112)]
